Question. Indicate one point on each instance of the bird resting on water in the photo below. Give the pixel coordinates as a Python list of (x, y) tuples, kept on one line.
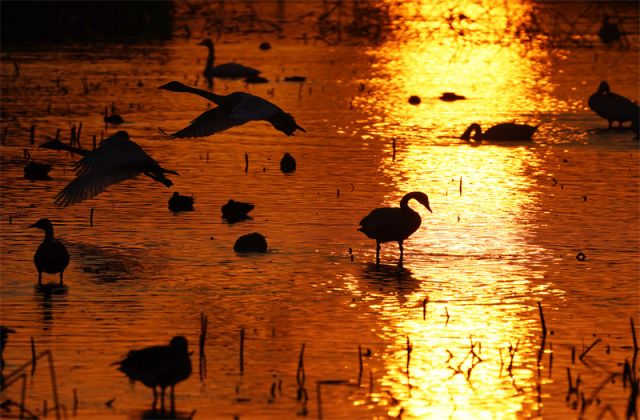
[(116, 159), (500, 132), (394, 224), (234, 109), (159, 366), (51, 256)]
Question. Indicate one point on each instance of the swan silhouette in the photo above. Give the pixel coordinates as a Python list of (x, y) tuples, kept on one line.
[(234, 109), (226, 70), (611, 106), (179, 203), (234, 211), (51, 256), (387, 224), (159, 366), (116, 159), (500, 132)]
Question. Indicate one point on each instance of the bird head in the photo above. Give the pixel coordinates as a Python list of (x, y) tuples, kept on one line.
[(604, 87), (43, 224), (123, 134), (422, 198), (174, 87), (206, 42), (179, 343), (473, 128)]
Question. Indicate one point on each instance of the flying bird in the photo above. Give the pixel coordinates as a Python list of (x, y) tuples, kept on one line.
[(159, 366), (500, 132), (611, 106), (226, 70), (387, 224), (51, 256), (116, 159), (234, 109)]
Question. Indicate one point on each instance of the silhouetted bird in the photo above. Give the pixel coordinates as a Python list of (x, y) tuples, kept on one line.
[(234, 109), (264, 46), (56, 144), (114, 118), (287, 163), (37, 171), (51, 256), (226, 70), (451, 96), (116, 159), (609, 32), (252, 242), (4, 337), (256, 80), (179, 202), (396, 224), (159, 366), (611, 106), (234, 211), (295, 79), (500, 132)]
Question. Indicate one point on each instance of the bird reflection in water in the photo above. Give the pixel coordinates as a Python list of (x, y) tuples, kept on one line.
[(386, 279), (50, 294)]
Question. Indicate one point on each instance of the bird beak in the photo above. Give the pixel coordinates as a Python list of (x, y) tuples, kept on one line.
[(429, 208), (201, 43), (33, 225), (300, 128)]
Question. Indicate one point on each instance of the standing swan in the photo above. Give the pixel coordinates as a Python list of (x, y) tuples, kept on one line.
[(159, 366), (115, 160), (388, 224), (500, 132), (611, 106), (234, 109), (51, 256), (226, 70)]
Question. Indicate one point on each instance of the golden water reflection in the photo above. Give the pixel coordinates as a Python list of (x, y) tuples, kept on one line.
[(482, 198)]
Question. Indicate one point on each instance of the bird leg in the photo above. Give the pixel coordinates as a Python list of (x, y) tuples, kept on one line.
[(401, 254), (155, 399), (377, 254), (173, 403), (61, 273), (39, 278), (162, 399)]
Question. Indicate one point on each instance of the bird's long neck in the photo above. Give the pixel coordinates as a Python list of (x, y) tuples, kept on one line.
[(404, 203), (48, 234), (210, 57), (216, 99), (57, 144), (604, 89), (473, 128)]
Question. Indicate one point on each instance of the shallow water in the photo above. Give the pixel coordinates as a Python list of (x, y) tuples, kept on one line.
[(507, 224)]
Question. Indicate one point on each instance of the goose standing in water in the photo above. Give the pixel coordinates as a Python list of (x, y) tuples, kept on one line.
[(395, 224), (116, 159), (611, 106), (51, 256), (500, 132), (234, 109), (159, 366), (226, 70)]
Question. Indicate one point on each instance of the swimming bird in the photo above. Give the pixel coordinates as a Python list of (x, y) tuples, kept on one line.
[(451, 96), (51, 256), (252, 242), (609, 32), (116, 159), (179, 202), (287, 163), (396, 224), (159, 366), (500, 132), (234, 211), (234, 109), (611, 106), (4, 337), (37, 171), (114, 118), (226, 70)]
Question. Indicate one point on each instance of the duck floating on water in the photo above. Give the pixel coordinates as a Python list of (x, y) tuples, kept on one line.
[(287, 163), (252, 242), (394, 224), (234, 109), (178, 203), (116, 159), (611, 106), (114, 118), (51, 256), (234, 211), (34, 171), (226, 70), (500, 132), (159, 366)]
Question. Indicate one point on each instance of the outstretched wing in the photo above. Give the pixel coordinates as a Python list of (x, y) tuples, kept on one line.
[(253, 108), (209, 122), (117, 159)]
